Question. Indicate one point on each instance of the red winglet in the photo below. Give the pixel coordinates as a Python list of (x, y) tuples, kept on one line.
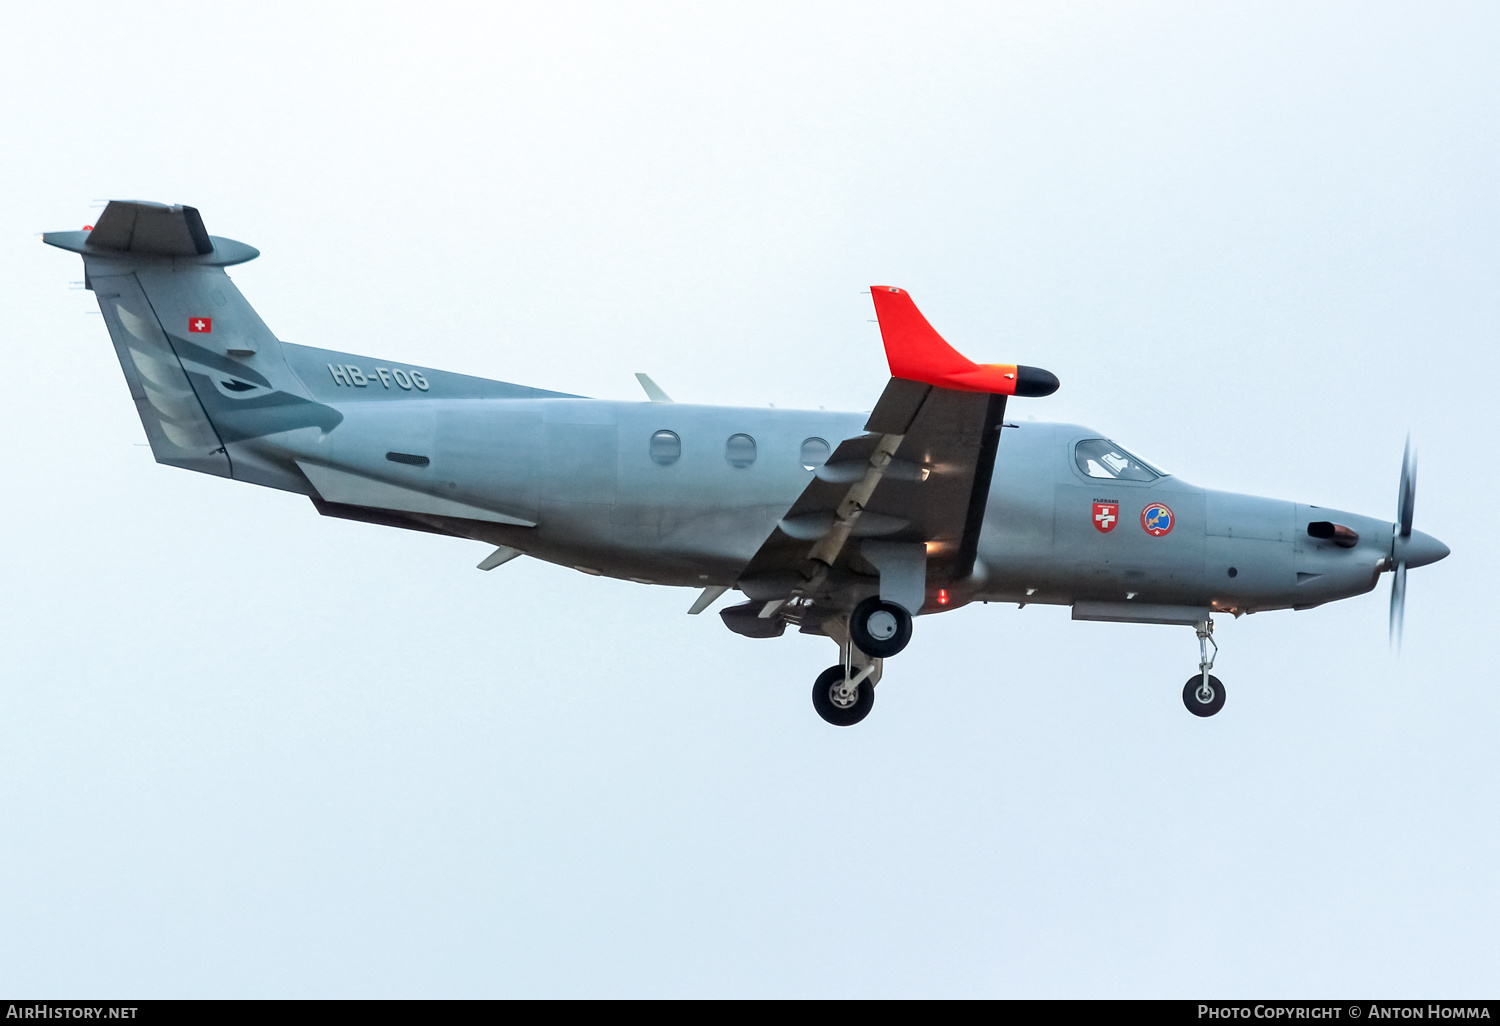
[(918, 353)]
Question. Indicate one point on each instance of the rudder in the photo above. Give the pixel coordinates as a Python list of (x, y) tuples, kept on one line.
[(203, 368)]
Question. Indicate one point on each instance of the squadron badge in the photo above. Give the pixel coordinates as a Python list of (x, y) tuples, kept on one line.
[(1157, 519), (1106, 516)]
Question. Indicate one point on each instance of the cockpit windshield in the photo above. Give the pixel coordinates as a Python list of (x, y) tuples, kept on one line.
[(1101, 458)]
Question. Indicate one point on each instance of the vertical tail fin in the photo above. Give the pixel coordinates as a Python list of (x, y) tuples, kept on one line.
[(203, 368)]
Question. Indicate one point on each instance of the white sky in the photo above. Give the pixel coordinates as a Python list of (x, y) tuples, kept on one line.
[(253, 752)]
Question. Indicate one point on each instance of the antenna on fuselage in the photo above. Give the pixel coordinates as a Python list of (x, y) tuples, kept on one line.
[(653, 390)]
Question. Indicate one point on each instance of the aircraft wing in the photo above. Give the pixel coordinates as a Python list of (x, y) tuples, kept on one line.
[(916, 483), (932, 491)]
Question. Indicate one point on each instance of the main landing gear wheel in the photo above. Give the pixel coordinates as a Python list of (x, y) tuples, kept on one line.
[(838, 703), (879, 629), (1201, 699)]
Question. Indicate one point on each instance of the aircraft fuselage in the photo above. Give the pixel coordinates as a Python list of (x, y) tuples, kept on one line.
[(585, 473)]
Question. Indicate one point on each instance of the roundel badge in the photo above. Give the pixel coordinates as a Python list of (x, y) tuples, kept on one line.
[(1157, 519), (1106, 516)]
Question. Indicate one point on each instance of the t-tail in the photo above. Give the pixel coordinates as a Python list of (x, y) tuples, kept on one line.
[(203, 368)]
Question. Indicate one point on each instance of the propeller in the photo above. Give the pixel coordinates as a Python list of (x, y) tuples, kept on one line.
[(1406, 502)]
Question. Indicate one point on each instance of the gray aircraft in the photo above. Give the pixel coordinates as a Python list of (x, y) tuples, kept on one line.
[(842, 525)]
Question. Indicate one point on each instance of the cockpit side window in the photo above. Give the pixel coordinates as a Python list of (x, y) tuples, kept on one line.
[(1101, 458)]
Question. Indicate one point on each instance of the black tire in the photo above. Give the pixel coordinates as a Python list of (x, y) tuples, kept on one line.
[(879, 629), (1194, 701), (824, 703)]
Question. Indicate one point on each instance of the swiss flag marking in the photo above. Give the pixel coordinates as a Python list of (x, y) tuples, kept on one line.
[(200, 324), (1106, 515)]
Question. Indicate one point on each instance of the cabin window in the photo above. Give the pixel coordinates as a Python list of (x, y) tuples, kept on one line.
[(814, 453), (666, 447), (740, 451), (1101, 458)]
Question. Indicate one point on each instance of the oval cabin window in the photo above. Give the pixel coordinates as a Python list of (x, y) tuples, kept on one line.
[(666, 447), (740, 451), (814, 453)]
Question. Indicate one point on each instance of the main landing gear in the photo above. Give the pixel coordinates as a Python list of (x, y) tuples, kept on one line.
[(844, 699), (844, 694), (879, 629), (1203, 694)]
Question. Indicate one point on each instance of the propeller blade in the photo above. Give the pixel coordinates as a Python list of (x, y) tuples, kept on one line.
[(1398, 604), (1406, 502)]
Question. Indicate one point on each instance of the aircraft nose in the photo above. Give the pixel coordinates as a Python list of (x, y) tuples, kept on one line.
[(1423, 549)]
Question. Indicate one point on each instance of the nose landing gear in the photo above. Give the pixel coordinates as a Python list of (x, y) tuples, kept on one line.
[(1203, 694)]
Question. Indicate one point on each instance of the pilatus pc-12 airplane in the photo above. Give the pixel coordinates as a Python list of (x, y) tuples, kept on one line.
[(839, 524)]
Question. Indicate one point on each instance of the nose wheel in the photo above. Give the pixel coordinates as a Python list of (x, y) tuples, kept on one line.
[(1203, 694), (841, 699)]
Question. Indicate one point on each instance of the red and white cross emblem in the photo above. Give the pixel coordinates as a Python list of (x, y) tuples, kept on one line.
[(1106, 516), (200, 324)]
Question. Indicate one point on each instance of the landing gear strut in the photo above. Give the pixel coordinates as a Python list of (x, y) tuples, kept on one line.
[(844, 694), (1203, 694)]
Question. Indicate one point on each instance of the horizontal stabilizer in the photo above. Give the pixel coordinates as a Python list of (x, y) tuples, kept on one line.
[(138, 227), (134, 229)]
